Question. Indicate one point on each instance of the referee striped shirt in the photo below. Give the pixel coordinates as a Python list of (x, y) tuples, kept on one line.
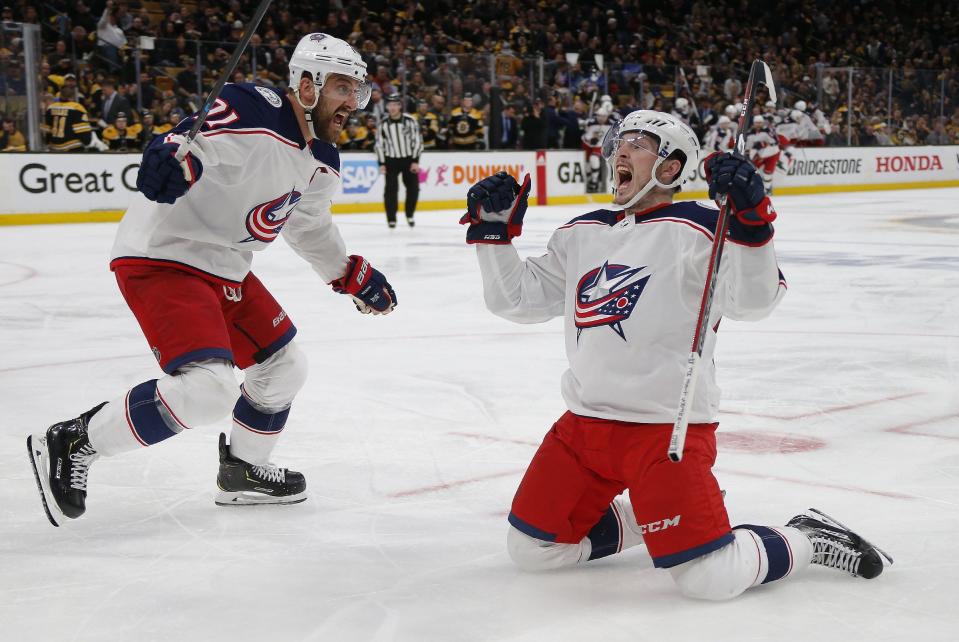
[(399, 138)]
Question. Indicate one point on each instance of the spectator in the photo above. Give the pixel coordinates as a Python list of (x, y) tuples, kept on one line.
[(535, 126), (110, 37), (466, 126), (11, 140), (938, 135), (111, 103), (122, 137), (882, 134), (509, 129)]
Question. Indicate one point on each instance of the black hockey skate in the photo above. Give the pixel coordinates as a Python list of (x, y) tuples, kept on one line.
[(244, 484), (836, 546), (61, 459)]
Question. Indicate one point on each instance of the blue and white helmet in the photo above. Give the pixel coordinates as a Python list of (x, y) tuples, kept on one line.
[(672, 133), (320, 55)]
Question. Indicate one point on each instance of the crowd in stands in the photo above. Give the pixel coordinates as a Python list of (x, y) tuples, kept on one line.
[(128, 70)]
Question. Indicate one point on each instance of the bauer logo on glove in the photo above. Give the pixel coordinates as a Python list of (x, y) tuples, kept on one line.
[(369, 289)]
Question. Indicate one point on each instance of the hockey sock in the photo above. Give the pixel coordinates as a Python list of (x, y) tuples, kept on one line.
[(615, 531), (255, 431), (782, 551), (197, 394), (139, 418)]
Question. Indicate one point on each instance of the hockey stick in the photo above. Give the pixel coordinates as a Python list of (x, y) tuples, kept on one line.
[(689, 90), (218, 87), (759, 74)]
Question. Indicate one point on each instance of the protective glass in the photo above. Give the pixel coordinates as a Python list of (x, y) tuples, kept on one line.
[(614, 138), (341, 91)]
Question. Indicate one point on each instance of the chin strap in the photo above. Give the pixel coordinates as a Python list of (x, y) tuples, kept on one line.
[(304, 114), (653, 182)]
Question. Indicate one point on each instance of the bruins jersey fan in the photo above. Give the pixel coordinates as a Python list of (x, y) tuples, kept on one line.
[(122, 137), (429, 127), (355, 137), (466, 126)]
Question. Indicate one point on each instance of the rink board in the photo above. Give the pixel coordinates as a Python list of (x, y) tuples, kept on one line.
[(61, 188)]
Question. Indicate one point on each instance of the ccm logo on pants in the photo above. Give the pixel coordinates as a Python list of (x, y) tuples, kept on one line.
[(661, 525)]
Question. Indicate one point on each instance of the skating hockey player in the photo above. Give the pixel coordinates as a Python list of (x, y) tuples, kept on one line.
[(721, 137), (263, 163), (627, 282), (593, 134), (762, 146)]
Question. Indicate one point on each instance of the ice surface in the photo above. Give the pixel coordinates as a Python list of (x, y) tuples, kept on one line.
[(414, 429)]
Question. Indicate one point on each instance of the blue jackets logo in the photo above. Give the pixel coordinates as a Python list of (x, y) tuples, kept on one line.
[(606, 296), (359, 176)]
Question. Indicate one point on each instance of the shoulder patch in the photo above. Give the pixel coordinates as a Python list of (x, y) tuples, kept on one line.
[(270, 95)]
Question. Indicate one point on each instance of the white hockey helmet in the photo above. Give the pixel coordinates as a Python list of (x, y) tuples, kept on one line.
[(682, 105), (320, 55), (673, 135), (724, 120), (796, 114), (731, 111), (800, 105), (759, 120)]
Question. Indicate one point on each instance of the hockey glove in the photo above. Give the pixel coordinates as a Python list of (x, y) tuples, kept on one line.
[(369, 289), (495, 209), (733, 174), (162, 178)]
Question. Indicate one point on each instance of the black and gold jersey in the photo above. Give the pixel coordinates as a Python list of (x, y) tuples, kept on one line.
[(466, 129), (66, 126)]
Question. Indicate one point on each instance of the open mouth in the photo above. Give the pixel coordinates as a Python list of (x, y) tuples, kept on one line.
[(624, 178), (339, 119)]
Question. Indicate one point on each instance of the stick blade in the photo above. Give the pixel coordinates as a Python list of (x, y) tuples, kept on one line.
[(766, 77)]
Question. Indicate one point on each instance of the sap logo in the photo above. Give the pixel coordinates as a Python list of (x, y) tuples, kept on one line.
[(571, 173), (661, 525), (359, 176)]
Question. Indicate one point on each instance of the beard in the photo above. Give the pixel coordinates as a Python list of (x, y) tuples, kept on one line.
[(328, 122)]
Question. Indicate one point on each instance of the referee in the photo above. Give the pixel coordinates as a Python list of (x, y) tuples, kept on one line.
[(398, 148)]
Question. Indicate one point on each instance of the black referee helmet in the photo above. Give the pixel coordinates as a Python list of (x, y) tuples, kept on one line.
[(394, 98)]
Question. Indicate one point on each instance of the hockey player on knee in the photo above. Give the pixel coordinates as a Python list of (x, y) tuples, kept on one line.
[(625, 279), (182, 259)]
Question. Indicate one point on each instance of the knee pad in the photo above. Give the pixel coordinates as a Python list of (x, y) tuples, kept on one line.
[(272, 385), (200, 393), (722, 574), (531, 554)]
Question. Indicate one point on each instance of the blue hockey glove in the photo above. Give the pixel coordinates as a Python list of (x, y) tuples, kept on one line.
[(370, 290), (161, 177), (495, 207), (734, 174)]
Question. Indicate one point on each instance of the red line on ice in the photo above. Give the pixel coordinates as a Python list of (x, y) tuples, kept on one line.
[(905, 428), (804, 482), (453, 484), (824, 411)]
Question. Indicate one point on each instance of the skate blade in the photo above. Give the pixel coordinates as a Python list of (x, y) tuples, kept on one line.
[(226, 498), (828, 518), (38, 458)]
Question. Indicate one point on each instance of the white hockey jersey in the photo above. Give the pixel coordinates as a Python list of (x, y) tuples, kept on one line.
[(720, 139), (762, 143), (629, 290), (595, 131), (259, 179)]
